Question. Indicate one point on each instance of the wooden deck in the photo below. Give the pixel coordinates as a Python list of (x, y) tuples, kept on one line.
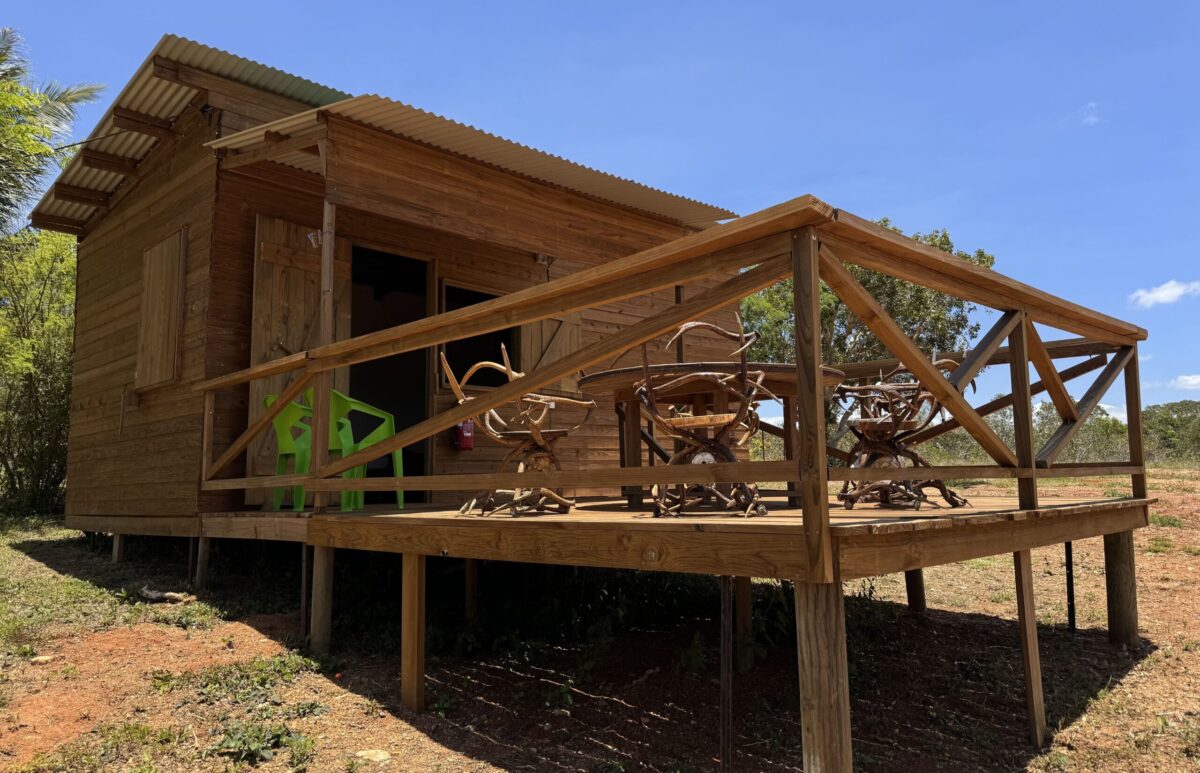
[(606, 533)]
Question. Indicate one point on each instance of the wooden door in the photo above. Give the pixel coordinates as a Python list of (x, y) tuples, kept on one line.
[(286, 306)]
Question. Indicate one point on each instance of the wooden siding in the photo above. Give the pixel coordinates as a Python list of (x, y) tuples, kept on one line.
[(137, 453), (469, 241)]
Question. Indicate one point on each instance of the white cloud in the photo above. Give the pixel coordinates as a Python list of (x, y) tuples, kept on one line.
[(1167, 292), (1186, 382), (1118, 412), (1089, 114)]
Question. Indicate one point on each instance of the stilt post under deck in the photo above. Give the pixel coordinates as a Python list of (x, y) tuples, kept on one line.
[(1031, 659), (322, 599), (1022, 564), (470, 589), (824, 676), (727, 657), (118, 548), (412, 632), (914, 586), (744, 636), (203, 552), (1121, 584)]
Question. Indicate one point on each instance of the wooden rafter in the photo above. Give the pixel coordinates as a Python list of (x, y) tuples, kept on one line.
[(975, 361), (131, 120), (54, 223), (868, 310), (1062, 436), (714, 298), (1000, 403), (273, 148), (108, 162), (77, 195), (1044, 364), (223, 92)]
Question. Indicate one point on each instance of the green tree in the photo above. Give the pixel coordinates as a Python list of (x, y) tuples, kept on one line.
[(37, 293), (32, 119), (1172, 430), (934, 320)]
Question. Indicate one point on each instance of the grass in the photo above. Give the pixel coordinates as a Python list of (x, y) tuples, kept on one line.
[(112, 746), (38, 603), (239, 683), (1168, 521), (1160, 545)]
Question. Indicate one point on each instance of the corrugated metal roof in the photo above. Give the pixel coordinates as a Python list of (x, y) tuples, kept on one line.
[(431, 129), (165, 99)]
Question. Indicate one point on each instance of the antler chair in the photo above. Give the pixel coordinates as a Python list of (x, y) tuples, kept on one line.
[(528, 435), (881, 416), (706, 439)]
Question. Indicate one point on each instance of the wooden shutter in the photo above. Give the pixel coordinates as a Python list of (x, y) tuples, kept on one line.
[(548, 340), (164, 273), (286, 307)]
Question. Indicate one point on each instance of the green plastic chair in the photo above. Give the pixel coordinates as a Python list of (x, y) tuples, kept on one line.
[(295, 450), (340, 408)]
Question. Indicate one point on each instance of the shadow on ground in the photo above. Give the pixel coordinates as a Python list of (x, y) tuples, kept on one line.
[(605, 670)]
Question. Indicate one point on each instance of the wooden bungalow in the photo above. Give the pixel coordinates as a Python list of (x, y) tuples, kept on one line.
[(244, 233)]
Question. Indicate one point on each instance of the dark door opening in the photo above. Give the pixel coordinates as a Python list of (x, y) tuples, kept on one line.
[(389, 290)]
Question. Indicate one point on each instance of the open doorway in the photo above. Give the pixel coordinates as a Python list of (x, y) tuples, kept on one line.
[(389, 290)]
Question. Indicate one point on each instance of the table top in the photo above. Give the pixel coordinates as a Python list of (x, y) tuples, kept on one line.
[(780, 377)]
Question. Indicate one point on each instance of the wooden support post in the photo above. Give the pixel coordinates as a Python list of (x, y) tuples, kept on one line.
[(789, 446), (191, 548), (118, 550), (914, 585), (726, 714), (303, 588), (1027, 621), (470, 589), (322, 600), (1069, 563), (744, 604), (824, 676), (203, 549), (412, 632), (1133, 423), (1120, 581), (632, 434), (810, 404), (1022, 414)]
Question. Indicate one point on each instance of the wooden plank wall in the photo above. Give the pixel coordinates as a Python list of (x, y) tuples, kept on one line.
[(128, 453), (470, 239)]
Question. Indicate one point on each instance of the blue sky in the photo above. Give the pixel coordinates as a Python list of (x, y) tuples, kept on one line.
[(1062, 137)]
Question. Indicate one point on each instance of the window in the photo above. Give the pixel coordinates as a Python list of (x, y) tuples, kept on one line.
[(465, 352), (161, 327)]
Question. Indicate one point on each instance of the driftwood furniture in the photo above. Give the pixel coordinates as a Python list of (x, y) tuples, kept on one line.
[(527, 433), (882, 416), (706, 438), (639, 443)]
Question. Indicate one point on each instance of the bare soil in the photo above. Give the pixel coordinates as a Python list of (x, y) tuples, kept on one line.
[(938, 692)]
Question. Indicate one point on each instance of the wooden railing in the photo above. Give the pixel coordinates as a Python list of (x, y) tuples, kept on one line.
[(803, 239)]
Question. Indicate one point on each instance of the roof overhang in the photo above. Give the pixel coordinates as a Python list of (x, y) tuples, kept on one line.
[(143, 113), (282, 141)]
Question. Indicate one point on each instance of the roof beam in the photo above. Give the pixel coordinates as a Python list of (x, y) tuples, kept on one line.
[(225, 93), (131, 120), (1043, 361), (77, 195), (61, 224), (273, 147), (108, 162)]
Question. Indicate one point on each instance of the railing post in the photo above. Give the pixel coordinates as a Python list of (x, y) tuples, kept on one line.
[(1023, 416), (810, 404), (1133, 423)]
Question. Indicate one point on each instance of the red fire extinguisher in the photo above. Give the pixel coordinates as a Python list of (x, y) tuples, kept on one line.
[(463, 435)]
